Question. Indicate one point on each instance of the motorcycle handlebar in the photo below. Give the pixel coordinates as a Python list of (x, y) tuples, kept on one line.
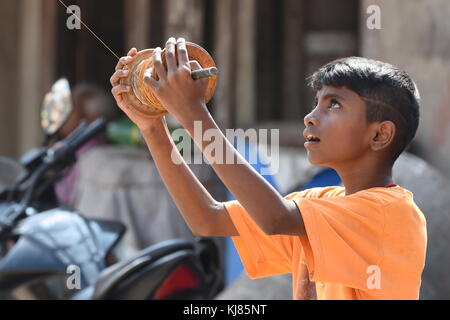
[(93, 129), (77, 132), (79, 137), (59, 152)]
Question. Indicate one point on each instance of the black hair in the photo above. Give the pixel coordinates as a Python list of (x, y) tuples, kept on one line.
[(389, 93)]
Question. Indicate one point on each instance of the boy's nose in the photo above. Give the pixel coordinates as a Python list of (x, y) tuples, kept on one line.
[(310, 120)]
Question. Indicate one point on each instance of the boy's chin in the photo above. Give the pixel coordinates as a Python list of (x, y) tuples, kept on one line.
[(314, 159)]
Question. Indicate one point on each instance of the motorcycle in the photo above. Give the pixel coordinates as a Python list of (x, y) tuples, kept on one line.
[(53, 252)]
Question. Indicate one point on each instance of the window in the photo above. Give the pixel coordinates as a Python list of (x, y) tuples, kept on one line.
[(292, 39)]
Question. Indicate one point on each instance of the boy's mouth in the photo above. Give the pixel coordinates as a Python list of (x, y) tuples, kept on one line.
[(310, 140)]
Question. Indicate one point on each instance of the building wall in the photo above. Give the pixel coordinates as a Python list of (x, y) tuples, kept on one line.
[(9, 33), (26, 62), (414, 35), (29, 53)]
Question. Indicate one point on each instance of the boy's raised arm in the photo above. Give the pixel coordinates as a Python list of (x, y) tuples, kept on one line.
[(199, 209), (184, 99)]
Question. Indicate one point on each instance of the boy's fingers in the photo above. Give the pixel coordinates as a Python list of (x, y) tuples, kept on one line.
[(170, 56), (119, 89), (121, 63), (194, 65), (158, 65), (132, 52), (124, 61), (183, 59), (148, 79), (117, 76), (127, 59)]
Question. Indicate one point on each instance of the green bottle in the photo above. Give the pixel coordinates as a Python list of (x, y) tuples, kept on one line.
[(124, 132)]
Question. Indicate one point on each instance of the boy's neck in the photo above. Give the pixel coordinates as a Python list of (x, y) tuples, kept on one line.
[(359, 178)]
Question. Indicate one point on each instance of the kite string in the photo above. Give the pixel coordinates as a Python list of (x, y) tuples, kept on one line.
[(89, 29), (139, 89)]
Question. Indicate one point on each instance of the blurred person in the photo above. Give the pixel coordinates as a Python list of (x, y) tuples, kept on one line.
[(89, 103)]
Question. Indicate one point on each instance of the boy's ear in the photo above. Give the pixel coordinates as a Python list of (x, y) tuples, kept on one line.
[(384, 133)]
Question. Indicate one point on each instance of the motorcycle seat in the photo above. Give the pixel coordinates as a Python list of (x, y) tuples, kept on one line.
[(109, 277)]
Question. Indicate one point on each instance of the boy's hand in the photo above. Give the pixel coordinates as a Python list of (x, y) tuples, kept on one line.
[(182, 96), (118, 89)]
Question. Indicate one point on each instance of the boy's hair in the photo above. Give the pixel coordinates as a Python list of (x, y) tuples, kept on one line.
[(389, 93)]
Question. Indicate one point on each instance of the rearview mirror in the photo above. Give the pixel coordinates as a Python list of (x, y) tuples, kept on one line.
[(56, 107)]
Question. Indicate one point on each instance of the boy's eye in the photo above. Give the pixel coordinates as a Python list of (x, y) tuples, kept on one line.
[(334, 104)]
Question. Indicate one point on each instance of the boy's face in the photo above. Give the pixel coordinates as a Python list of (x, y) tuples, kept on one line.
[(339, 128)]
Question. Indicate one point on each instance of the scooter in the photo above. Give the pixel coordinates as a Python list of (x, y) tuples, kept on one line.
[(52, 252)]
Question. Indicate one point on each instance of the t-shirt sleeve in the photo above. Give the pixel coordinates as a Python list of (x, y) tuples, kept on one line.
[(262, 255), (344, 237)]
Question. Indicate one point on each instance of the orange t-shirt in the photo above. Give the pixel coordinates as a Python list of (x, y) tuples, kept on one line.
[(367, 245)]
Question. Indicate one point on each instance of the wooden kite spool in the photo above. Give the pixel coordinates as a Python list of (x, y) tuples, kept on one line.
[(141, 98)]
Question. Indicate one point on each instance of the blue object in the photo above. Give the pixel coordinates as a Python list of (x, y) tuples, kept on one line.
[(233, 264), (325, 178)]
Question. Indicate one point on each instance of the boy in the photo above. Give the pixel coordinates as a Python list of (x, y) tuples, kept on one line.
[(366, 240)]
